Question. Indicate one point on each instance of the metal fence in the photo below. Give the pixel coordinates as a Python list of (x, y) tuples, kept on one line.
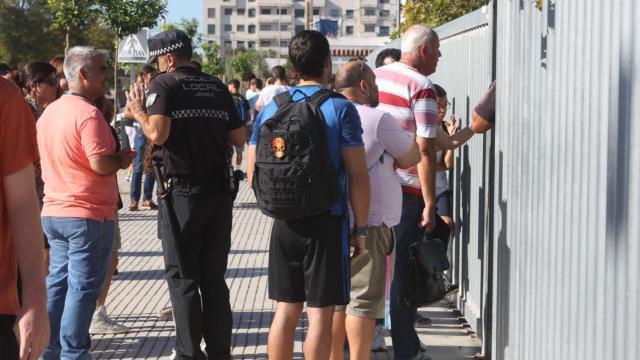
[(548, 204)]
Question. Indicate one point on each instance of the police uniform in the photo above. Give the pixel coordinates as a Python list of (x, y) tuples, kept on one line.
[(194, 165)]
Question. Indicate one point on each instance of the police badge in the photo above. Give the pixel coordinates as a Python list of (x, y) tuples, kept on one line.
[(151, 99)]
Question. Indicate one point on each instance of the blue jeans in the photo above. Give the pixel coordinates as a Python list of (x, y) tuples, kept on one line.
[(80, 254), (138, 166), (406, 343)]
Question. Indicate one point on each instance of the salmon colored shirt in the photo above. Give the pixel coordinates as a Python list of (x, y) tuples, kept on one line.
[(70, 132), (17, 150)]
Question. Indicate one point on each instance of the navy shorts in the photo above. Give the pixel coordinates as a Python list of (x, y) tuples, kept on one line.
[(443, 204)]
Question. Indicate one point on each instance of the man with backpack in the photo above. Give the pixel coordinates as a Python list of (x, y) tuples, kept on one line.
[(305, 156), (243, 108)]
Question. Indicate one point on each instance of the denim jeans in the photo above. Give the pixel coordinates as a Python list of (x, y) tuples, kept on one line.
[(406, 343), (79, 260), (138, 166)]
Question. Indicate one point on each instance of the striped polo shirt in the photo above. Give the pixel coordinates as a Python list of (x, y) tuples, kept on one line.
[(410, 98)]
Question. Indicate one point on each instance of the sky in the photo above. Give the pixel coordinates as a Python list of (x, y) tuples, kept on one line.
[(178, 9)]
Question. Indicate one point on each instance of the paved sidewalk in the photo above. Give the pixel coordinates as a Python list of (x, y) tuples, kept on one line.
[(139, 291)]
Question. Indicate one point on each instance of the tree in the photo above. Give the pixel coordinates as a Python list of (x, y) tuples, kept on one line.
[(71, 16), (190, 27), (247, 61), (212, 64), (434, 13)]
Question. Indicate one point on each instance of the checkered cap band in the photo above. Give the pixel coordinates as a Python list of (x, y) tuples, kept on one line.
[(200, 113), (167, 49)]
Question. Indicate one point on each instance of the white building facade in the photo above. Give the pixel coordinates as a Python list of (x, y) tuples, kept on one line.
[(269, 25)]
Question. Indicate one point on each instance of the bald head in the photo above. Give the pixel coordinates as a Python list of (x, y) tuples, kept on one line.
[(350, 74), (416, 36)]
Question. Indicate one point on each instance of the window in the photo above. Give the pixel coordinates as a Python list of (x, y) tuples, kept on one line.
[(282, 11), (240, 28), (228, 11), (211, 12), (265, 27), (211, 29), (252, 0), (252, 29), (265, 43), (252, 12), (251, 44), (227, 44), (384, 13), (384, 31), (370, 28), (334, 12), (349, 14), (298, 28), (240, 11), (284, 27), (228, 27), (265, 11), (240, 44), (384, 1), (284, 44), (299, 13), (349, 30), (316, 11), (369, 11)]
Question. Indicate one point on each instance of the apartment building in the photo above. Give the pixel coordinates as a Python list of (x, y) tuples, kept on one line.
[(269, 25)]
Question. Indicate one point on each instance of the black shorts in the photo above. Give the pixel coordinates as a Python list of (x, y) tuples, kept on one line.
[(443, 204), (309, 261)]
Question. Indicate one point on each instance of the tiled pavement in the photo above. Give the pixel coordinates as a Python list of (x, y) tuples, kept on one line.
[(139, 291)]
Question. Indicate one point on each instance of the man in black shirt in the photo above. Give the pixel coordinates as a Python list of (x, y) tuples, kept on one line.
[(191, 119)]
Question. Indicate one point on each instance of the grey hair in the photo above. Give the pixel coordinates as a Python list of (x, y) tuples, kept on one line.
[(416, 36), (79, 57)]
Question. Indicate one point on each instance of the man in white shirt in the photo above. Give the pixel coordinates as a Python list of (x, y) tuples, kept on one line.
[(279, 76)]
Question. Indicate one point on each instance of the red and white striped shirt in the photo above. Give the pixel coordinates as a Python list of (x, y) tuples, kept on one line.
[(410, 98)]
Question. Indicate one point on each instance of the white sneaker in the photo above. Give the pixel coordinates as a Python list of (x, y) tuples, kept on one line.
[(378, 343), (102, 324)]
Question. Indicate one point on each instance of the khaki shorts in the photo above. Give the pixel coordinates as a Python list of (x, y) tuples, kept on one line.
[(117, 242), (368, 276)]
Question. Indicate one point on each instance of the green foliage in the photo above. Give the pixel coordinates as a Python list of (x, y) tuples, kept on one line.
[(189, 26), (434, 13), (212, 63), (127, 17), (247, 61)]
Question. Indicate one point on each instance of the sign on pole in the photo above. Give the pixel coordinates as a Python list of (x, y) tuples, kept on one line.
[(133, 48)]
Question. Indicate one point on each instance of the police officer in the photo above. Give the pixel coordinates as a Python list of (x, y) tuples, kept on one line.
[(191, 119)]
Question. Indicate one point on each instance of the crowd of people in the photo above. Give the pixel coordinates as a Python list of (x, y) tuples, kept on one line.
[(385, 146)]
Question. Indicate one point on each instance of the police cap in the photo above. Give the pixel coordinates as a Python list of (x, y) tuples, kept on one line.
[(167, 42)]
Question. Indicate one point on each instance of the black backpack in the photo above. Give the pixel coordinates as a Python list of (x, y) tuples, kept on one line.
[(294, 177)]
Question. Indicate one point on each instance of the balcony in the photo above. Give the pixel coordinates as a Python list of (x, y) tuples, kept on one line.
[(284, 35), (317, 3), (285, 19), (368, 3), (364, 19), (283, 3)]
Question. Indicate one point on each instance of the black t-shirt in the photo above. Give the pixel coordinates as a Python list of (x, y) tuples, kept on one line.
[(202, 112)]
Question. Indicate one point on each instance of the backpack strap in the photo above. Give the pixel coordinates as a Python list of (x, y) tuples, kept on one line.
[(282, 99), (322, 95)]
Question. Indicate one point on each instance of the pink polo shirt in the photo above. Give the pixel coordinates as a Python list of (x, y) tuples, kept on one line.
[(70, 132)]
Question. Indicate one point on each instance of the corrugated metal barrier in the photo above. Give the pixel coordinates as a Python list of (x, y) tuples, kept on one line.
[(548, 204)]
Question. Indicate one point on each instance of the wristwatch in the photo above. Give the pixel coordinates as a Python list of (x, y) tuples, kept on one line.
[(361, 231)]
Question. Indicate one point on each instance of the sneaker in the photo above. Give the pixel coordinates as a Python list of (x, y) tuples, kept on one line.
[(150, 204), (421, 356), (378, 343), (166, 313), (422, 321), (102, 324), (133, 206)]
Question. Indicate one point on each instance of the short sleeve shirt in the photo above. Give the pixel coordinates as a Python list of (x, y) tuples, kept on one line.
[(343, 130), (18, 149), (71, 131), (384, 141), (202, 112)]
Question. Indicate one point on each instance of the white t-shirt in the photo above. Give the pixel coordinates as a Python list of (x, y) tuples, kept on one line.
[(267, 94)]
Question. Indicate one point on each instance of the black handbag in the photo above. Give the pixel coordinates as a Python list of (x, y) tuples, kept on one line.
[(424, 281)]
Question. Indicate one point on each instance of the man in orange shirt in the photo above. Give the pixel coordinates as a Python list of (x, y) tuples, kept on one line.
[(78, 162), (24, 330)]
